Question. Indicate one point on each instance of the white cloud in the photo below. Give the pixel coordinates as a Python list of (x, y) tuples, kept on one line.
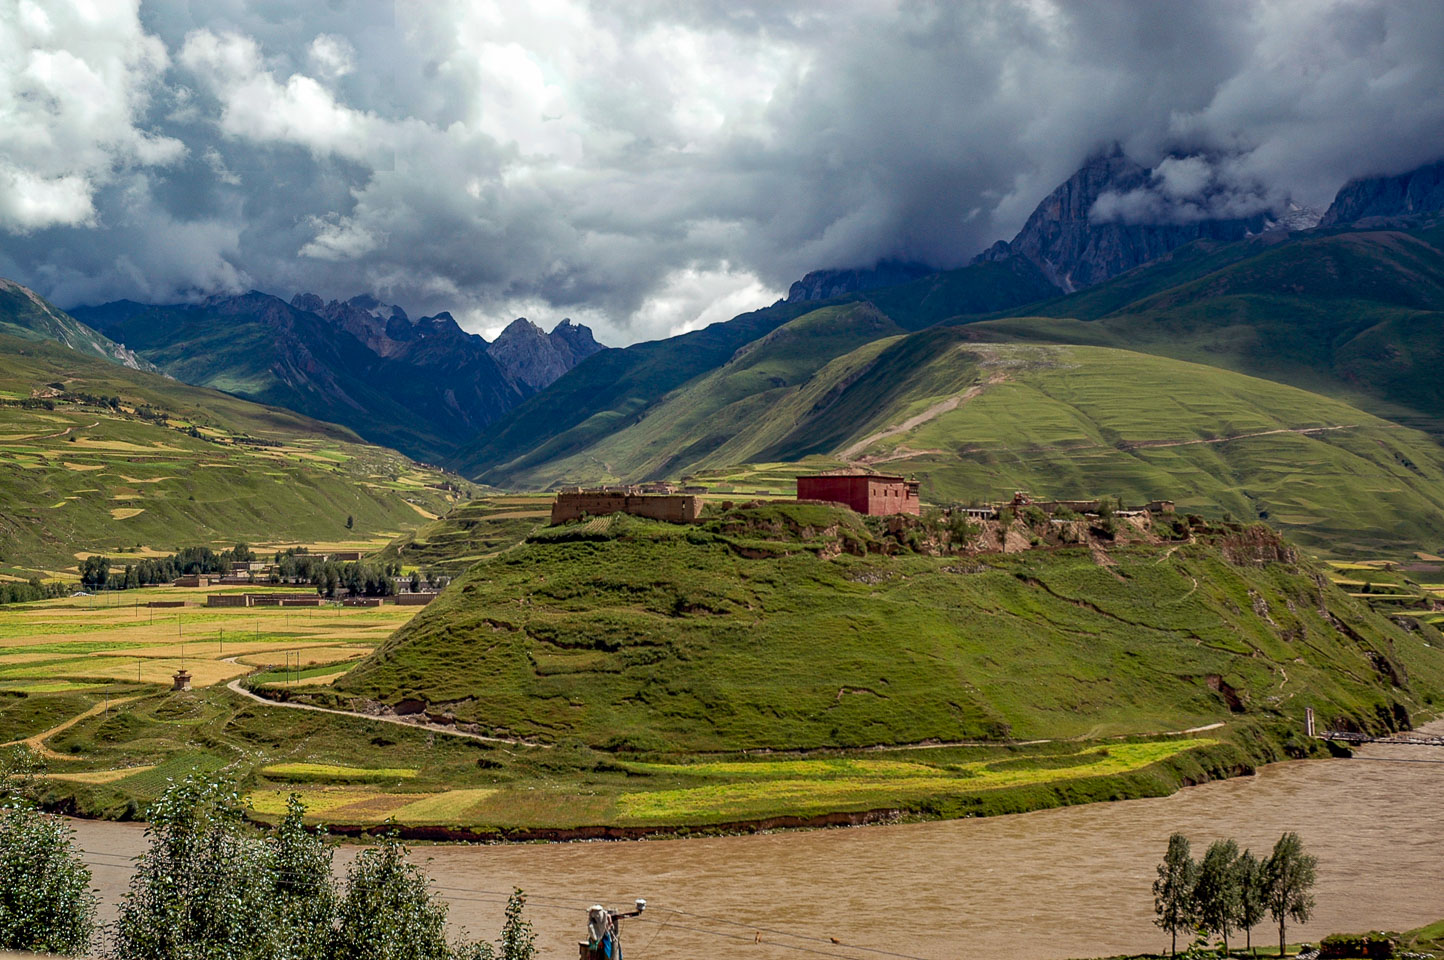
[(74, 79), (692, 298), (256, 106), (332, 56), (343, 239), (648, 167)]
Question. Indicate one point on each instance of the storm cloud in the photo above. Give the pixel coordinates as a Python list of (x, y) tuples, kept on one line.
[(651, 167)]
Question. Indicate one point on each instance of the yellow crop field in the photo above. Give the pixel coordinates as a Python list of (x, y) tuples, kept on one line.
[(327, 771)]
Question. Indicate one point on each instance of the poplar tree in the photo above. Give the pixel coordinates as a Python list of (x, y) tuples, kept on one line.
[(1289, 881), (389, 912), (204, 888), (1252, 888), (1216, 891), (1173, 890)]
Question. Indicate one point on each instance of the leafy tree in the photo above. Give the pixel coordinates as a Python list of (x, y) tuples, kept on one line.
[(46, 903), (1252, 889), (305, 891), (204, 888), (1173, 890), (388, 912), (350, 521), (95, 571), (1289, 876), (1216, 891), (416, 581)]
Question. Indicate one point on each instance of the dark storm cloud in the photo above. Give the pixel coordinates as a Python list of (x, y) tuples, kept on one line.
[(648, 166)]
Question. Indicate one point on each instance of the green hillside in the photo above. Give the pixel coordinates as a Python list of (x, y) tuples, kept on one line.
[(28, 316), (611, 390), (976, 421), (1354, 315), (780, 627), (98, 458)]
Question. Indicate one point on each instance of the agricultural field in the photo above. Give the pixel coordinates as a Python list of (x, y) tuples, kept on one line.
[(470, 532), (85, 683), (60, 658), (1405, 590), (166, 465)]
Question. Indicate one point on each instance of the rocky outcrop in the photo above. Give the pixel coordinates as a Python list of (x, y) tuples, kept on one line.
[(531, 356), (1076, 248), (1417, 193), (827, 284)]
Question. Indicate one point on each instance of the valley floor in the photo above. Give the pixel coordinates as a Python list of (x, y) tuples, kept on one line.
[(84, 683)]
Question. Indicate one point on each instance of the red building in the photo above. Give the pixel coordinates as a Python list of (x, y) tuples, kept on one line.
[(866, 493)]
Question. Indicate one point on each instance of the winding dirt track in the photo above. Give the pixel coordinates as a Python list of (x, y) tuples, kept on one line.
[(235, 687), (931, 413)]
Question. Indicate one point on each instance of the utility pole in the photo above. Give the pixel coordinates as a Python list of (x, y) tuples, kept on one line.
[(604, 932)]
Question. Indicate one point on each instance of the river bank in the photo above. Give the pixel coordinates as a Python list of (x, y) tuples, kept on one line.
[(1046, 885)]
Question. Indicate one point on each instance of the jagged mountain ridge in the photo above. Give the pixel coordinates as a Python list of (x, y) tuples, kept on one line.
[(830, 284), (537, 358), (415, 385)]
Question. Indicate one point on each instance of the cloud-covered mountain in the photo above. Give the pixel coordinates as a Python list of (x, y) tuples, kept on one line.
[(632, 166), (1114, 215), (1415, 193)]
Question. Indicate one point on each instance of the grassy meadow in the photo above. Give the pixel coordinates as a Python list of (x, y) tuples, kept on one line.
[(770, 628)]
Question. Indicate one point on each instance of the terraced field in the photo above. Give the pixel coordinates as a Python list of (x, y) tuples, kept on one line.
[(470, 532), (168, 465)]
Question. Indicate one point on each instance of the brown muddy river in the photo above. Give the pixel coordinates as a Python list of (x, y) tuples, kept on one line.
[(1053, 884)]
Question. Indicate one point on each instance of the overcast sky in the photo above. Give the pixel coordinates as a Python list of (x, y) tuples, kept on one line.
[(648, 167)]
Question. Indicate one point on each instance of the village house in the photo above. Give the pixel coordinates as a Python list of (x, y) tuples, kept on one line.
[(867, 493), (577, 503)]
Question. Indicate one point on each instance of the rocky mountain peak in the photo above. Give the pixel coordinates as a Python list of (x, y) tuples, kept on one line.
[(536, 358), (1113, 215), (1417, 193), (827, 284)]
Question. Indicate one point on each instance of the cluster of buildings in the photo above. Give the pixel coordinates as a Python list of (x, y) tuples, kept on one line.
[(871, 494), (314, 600), (256, 571)]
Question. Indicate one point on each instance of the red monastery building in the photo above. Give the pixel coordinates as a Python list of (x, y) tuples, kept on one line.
[(864, 492)]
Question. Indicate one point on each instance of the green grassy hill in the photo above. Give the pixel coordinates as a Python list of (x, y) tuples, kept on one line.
[(617, 388), (1354, 315), (167, 465), (26, 315), (467, 533), (779, 627)]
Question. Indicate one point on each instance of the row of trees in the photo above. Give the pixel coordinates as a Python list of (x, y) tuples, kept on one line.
[(209, 886), (295, 565), (95, 572), (1230, 891), (32, 589)]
